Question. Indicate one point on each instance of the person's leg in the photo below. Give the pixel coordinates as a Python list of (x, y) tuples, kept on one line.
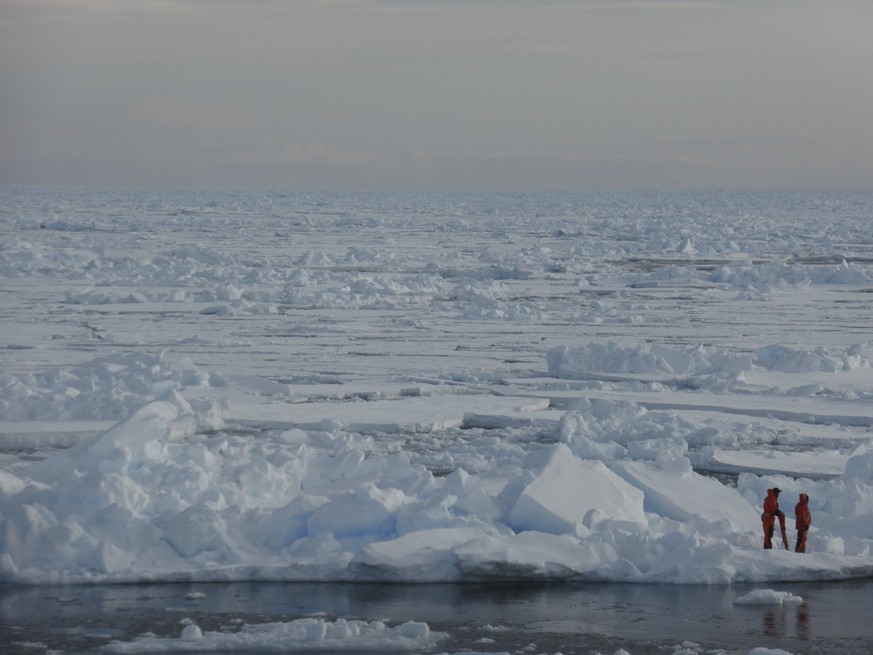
[(801, 542)]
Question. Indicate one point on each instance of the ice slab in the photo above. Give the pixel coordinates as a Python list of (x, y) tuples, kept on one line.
[(411, 414), (683, 495), (803, 409), (816, 464), (326, 386)]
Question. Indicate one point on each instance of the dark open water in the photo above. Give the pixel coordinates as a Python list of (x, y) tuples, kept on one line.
[(835, 617)]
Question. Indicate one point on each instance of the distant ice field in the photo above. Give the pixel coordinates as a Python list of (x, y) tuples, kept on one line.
[(363, 285), (308, 385)]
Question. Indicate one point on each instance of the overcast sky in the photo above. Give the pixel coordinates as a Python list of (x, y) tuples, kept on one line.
[(455, 94)]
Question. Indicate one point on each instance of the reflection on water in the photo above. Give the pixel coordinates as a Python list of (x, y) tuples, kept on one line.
[(556, 617), (788, 621)]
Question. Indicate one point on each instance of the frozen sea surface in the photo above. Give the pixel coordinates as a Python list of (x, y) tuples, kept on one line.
[(203, 385)]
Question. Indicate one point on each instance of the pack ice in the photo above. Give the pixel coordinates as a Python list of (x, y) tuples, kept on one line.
[(333, 386)]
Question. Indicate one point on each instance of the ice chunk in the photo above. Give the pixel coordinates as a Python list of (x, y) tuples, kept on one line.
[(768, 597), (568, 488)]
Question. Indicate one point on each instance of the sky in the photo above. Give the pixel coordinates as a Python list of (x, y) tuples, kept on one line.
[(476, 94)]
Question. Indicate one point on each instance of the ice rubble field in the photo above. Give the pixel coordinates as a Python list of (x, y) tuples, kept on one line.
[(424, 387)]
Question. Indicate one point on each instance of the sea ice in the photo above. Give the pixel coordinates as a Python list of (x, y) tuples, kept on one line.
[(435, 387)]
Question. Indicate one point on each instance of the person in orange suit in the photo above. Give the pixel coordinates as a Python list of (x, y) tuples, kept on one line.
[(768, 518), (804, 520)]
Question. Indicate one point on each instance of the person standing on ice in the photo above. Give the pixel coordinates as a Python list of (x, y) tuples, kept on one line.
[(768, 518), (804, 520)]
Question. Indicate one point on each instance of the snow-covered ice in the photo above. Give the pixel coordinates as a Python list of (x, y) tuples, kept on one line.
[(257, 385)]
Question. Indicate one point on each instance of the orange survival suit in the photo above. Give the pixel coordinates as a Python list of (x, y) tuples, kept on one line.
[(768, 518), (804, 520)]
